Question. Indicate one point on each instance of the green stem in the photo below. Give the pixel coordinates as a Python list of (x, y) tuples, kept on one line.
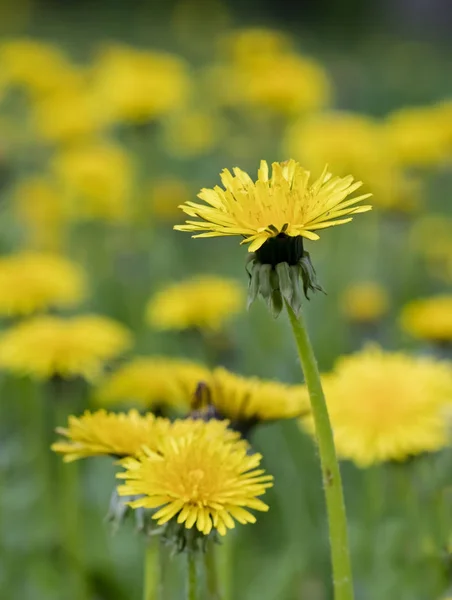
[(332, 484), (192, 576), (151, 568), (211, 571)]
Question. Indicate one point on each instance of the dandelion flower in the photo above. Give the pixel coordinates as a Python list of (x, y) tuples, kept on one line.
[(43, 347), (249, 400), (198, 479), (96, 180), (103, 433), (164, 196), (387, 406), (429, 318), (153, 382), (204, 302), (283, 204), (34, 281), (364, 302)]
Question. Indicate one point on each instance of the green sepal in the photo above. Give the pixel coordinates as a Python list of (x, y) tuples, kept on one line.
[(276, 303), (309, 276), (297, 297), (265, 282), (253, 286), (285, 283)]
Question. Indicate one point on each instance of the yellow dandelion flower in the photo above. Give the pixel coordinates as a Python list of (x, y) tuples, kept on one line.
[(364, 302), (67, 115), (429, 318), (153, 382), (35, 66), (37, 203), (136, 85), (419, 136), (46, 346), (96, 180), (248, 400), (388, 406), (103, 433), (204, 302), (283, 204), (198, 480), (437, 253), (33, 281), (244, 45)]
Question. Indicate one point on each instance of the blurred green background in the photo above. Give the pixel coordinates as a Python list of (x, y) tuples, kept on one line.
[(202, 114)]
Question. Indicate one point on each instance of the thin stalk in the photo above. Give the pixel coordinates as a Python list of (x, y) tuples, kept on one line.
[(192, 576), (211, 572), (151, 568), (332, 483)]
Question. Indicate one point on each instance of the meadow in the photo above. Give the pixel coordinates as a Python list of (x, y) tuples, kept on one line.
[(112, 119)]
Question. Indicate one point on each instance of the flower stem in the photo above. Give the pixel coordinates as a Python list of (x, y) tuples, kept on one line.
[(340, 556), (151, 566), (210, 566), (192, 576)]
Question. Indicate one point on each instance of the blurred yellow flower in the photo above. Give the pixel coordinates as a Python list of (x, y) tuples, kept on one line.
[(96, 180), (191, 133), (138, 85), (33, 282), (319, 140), (284, 203), (249, 400), (76, 347), (429, 318), (364, 302), (287, 84), (419, 136), (204, 302), (67, 115), (387, 406), (154, 382), (36, 67), (201, 479), (102, 433), (39, 208), (245, 45), (164, 196)]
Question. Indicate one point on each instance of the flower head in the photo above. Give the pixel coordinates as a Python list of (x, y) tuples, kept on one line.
[(34, 281), (429, 318), (197, 478), (102, 433), (204, 302), (387, 406), (249, 400), (365, 302), (283, 204), (77, 347), (154, 382)]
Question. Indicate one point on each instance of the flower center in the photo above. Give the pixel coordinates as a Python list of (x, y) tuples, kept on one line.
[(279, 249)]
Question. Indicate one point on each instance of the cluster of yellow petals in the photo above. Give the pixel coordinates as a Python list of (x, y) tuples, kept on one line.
[(285, 202), (203, 302), (105, 433), (429, 318), (45, 346), (200, 478), (35, 281), (153, 382), (242, 399), (388, 406)]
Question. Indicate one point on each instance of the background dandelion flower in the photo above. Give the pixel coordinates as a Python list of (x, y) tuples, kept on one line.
[(34, 281), (77, 347), (429, 318), (198, 480), (204, 302), (388, 406)]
